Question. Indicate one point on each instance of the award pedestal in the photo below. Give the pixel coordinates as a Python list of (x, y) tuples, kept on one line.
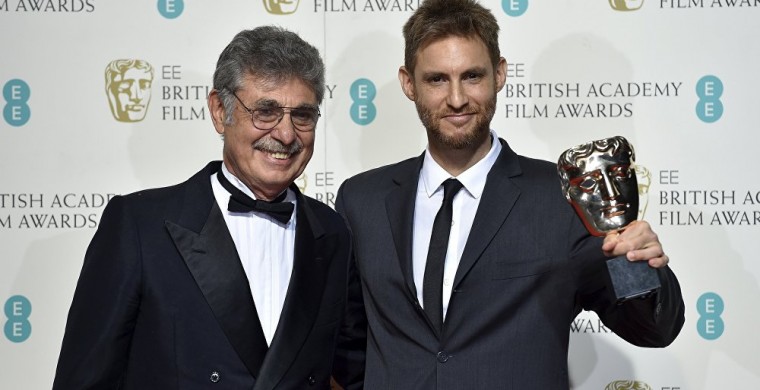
[(632, 279)]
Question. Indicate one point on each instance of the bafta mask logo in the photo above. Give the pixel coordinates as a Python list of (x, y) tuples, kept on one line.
[(644, 180), (281, 7), (626, 5), (599, 179), (128, 87), (302, 183), (627, 385)]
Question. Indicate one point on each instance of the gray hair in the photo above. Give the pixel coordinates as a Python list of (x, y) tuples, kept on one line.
[(270, 53)]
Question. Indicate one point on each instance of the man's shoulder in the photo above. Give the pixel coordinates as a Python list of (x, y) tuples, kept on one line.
[(160, 198), (536, 165), (381, 177)]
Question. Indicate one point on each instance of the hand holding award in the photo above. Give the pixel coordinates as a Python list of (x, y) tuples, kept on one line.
[(599, 180)]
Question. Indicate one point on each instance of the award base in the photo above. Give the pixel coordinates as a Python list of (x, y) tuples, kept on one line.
[(632, 279)]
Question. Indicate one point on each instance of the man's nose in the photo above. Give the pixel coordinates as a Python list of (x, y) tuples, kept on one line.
[(457, 97), (284, 132)]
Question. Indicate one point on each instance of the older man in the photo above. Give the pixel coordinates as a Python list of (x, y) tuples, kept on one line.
[(232, 279)]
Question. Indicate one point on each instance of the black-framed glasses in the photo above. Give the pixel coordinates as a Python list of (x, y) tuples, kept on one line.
[(266, 118)]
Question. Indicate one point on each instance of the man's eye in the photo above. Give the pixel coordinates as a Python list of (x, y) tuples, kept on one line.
[(302, 115), (266, 113)]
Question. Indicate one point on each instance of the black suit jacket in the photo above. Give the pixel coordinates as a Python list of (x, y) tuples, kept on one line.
[(528, 268), (163, 302)]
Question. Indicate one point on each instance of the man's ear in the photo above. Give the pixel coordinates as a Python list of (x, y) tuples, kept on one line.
[(501, 74), (407, 83), (217, 111)]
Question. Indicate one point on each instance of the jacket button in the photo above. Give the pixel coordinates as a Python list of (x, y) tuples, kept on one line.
[(312, 380), (442, 357), (214, 377)]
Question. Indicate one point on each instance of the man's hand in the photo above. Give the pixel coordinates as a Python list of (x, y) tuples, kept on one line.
[(638, 243)]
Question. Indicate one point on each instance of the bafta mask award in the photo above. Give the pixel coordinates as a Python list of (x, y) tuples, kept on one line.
[(599, 180)]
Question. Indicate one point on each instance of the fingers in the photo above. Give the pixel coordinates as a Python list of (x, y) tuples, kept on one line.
[(638, 243)]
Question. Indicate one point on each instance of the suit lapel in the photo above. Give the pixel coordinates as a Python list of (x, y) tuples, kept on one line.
[(213, 261), (399, 204), (204, 242), (499, 196), (313, 251)]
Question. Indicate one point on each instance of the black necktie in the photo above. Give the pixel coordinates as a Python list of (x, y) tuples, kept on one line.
[(432, 284), (242, 203)]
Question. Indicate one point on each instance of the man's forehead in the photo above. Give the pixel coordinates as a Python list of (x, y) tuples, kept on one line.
[(272, 90), (449, 42)]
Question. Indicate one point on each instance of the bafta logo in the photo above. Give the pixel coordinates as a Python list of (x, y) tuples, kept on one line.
[(644, 180), (626, 5), (627, 385), (281, 7), (128, 84), (302, 182)]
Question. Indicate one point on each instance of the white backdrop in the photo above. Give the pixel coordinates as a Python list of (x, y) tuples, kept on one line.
[(676, 77)]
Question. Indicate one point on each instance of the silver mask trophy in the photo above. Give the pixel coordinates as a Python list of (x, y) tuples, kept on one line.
[(599, 180)]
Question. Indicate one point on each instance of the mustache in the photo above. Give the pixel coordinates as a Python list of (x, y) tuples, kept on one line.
[(271, 145)]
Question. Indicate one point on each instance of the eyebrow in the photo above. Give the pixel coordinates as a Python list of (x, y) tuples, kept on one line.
[(265, 103), (481, 70)]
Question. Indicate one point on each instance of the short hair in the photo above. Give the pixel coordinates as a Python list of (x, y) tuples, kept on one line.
[(436, 19), (270, 53), (118, 67), (568, 159)]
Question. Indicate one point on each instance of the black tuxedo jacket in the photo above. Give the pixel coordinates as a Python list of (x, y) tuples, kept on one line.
[(528, 268), (163, 302)]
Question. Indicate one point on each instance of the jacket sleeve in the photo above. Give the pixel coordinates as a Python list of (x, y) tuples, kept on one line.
[(105, 306), (652, 321)]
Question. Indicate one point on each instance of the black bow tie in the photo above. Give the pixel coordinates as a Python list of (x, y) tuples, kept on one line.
[(242, 203)]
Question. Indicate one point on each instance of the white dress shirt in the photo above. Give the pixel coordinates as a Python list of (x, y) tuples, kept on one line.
[(265, 248), (428, 201)]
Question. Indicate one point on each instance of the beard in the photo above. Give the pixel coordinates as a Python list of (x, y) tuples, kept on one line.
[(468, 139)]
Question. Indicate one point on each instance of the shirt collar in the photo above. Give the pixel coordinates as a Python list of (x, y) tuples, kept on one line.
[(473, 179), (290, 197)]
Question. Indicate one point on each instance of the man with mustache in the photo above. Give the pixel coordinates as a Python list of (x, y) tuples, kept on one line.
[(232, 279), (472, 263)]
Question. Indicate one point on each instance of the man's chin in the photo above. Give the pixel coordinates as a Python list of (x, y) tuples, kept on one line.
[(461, 138)]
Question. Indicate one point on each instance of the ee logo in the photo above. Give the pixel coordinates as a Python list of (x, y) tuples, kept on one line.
[(171, 9), (514, 8), (709, 106), (710, 307), (17, 310), (363, 111), (16, 94)]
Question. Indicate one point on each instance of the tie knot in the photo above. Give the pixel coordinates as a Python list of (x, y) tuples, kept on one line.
[(450, 188)]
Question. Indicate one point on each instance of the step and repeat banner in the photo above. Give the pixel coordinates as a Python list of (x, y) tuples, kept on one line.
[(678, 78)]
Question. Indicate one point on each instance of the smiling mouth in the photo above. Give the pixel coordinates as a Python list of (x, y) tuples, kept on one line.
[(279, 155), (459, 118)]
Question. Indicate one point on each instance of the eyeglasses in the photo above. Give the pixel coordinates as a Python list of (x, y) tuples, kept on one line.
[(266, 118)]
